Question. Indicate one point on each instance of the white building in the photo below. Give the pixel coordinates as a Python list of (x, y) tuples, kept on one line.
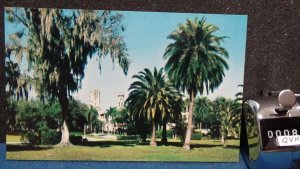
[(94, 101), (120, 102), (109, 126), (185, 114)]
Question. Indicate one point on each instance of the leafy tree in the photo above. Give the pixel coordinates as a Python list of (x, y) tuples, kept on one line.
[(120, 117), (58, 45), (35, 119), (78, 115), (12, 116), (16, 84), (195, 62), (52, 109), (15, 81)]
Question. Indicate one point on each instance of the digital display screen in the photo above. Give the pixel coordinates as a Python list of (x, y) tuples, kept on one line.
[(280, 133)]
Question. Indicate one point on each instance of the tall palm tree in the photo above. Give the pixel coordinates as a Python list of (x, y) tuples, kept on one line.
[(150, 97), (196, 62)]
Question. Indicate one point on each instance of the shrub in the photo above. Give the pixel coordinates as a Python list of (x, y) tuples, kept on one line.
[(129, 137), (50, 137), (180, 130), (215, 132), (159, 133), (30, 137), (131, 129), (76, 139), (196, 136)]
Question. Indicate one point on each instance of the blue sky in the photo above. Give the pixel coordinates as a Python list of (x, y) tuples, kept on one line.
[(146, 38)]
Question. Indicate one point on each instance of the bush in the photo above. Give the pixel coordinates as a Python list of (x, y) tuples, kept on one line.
[(50, 137), (131, 129), (215, 132), (196, 136), (180, 130), (159, 133), (76, 139), (30, 137), (130, 137)]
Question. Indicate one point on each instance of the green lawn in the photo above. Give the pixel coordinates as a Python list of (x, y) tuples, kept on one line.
[(76, 133), (129, 150), (13, 138)]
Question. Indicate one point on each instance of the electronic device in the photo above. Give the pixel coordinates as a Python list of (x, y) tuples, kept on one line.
[(272, 127)]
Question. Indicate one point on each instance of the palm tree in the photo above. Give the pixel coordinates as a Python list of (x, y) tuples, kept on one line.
[(58, 45), (176, 104), (202, 111), (195, 62), (238, 111), (150, 97), (227, 113), (239, 95), (111, 112), (92, 118)]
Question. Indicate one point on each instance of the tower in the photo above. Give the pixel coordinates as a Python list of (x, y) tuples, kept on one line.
[(121, 99), (94, 101)]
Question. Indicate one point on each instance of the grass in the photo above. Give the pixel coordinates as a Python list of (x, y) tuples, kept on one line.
[(76, 133), (254, 147), (13, 138), (130, 150)]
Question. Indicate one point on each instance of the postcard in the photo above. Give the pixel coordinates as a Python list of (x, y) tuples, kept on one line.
[(98, 85)]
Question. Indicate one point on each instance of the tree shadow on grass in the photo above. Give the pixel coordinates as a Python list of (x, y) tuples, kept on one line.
[(103, 144), (179, 144), (26, 148), (210, 146), (133, 143)]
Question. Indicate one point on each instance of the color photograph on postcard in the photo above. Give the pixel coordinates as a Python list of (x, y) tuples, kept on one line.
[(100, 85)]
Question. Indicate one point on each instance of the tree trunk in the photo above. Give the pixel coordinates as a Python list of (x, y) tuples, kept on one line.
[(153, 137), (224, 139), (65, 135), (188, 136), (164, 139), (200, 126), (84, 127)]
